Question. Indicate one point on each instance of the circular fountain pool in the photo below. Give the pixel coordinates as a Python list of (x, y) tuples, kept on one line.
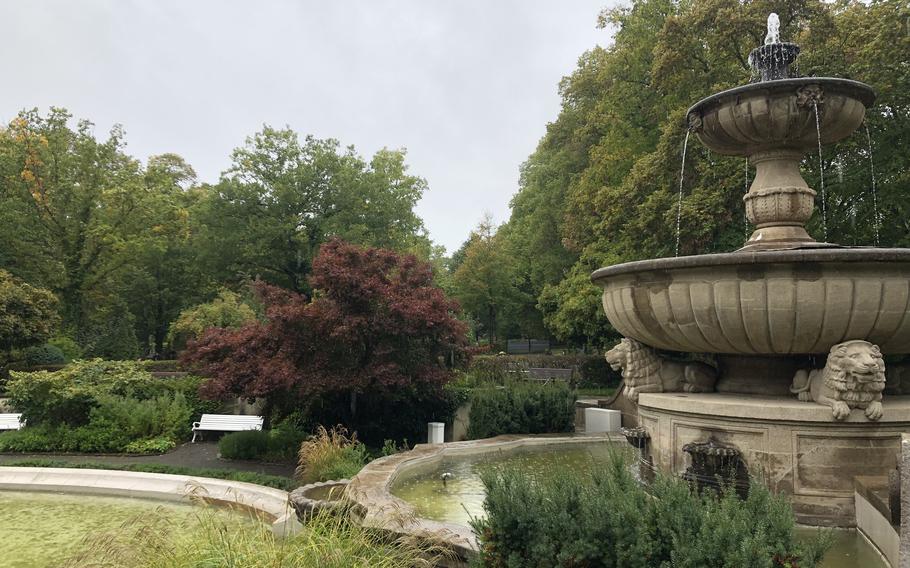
[(45, 529), (460, 497)]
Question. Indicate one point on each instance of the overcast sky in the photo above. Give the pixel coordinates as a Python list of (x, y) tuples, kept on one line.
[(466, 86)]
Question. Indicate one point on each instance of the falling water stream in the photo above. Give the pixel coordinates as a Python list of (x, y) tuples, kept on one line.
[(682, 173), (821, 172), (745, 191), (876, 220)]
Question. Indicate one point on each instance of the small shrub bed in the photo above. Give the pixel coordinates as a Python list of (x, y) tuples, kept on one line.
[(276, 481), (521, 408), (610, 520), (277, 445), (331, 454), (102, 406)]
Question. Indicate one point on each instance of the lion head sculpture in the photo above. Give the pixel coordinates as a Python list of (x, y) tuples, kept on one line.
[(856, 372), (853, 377), (635, 360)]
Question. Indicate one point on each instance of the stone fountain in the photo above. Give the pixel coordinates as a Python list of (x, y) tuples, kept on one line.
[(788, 332)]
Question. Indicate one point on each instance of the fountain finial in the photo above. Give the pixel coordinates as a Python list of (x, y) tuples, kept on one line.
[(773, 35), (772, 60)]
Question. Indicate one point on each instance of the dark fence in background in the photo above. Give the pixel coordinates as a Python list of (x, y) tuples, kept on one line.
[(527, 346)]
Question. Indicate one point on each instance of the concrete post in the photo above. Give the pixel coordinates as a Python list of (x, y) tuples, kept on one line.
[(436, 432)]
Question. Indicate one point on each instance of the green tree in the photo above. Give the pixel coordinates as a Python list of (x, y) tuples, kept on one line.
[(75, 211), (485, 281), (601, 188), (28, 315), (165, 276), (227, 310), (284, 197)]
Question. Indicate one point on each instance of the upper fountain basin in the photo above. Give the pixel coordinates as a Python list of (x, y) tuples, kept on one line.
[(780, 114), (763, 303)]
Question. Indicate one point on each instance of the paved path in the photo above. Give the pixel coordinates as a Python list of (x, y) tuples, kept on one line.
[(198, 455)]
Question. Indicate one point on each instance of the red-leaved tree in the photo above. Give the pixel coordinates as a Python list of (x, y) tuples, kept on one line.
[(376, 321)]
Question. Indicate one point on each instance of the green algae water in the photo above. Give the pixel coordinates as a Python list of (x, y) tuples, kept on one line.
[(42, 530), (850, 550), (461, 496)]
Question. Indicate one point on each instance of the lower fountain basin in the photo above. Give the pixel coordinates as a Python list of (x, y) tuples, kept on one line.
[(763, 303)]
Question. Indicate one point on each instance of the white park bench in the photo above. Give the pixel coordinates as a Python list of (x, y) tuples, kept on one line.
[(11, 422), (226, 423)]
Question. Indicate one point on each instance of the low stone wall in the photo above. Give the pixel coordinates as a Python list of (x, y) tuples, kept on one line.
[(873, 516), (370, 490), (270, 504), (797, 447)]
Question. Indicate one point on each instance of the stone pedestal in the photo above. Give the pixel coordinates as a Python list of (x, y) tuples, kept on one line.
[(796, 447)]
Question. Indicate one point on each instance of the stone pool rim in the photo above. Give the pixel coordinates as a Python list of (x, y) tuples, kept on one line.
[(269, 503), (371, 489)]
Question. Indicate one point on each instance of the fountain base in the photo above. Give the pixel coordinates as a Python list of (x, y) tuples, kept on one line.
[(796, 447)]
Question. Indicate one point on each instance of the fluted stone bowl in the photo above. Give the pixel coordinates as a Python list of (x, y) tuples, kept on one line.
[(763, 303), (780, 114)]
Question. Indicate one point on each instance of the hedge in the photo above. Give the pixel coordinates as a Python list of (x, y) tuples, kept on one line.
[(522, 408)]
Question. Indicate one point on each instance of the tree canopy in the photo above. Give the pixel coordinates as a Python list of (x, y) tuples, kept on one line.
[(127, 246), (376, 321), (601, 187)]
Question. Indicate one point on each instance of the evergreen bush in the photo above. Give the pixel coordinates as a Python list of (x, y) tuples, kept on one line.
[(610, 520), (46, 354), (521, 408)]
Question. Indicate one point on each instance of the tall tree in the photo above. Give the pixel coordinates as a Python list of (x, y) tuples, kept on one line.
[(486, 283), (283, 197), (74, 209), (604, 181), (376, 322)]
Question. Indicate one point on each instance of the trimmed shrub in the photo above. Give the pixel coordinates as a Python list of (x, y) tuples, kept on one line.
[(331, 454), (279, 444), (610, 520), (522, 408), (396, 413), (247, 445), (46, 354)]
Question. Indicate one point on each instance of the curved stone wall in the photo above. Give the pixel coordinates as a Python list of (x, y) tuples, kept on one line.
[(370, 489), (270, 504)]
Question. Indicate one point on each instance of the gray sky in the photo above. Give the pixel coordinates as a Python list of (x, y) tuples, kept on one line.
[(467, 86)]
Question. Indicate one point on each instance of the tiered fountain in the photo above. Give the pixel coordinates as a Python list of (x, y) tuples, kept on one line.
[(796, 327)]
